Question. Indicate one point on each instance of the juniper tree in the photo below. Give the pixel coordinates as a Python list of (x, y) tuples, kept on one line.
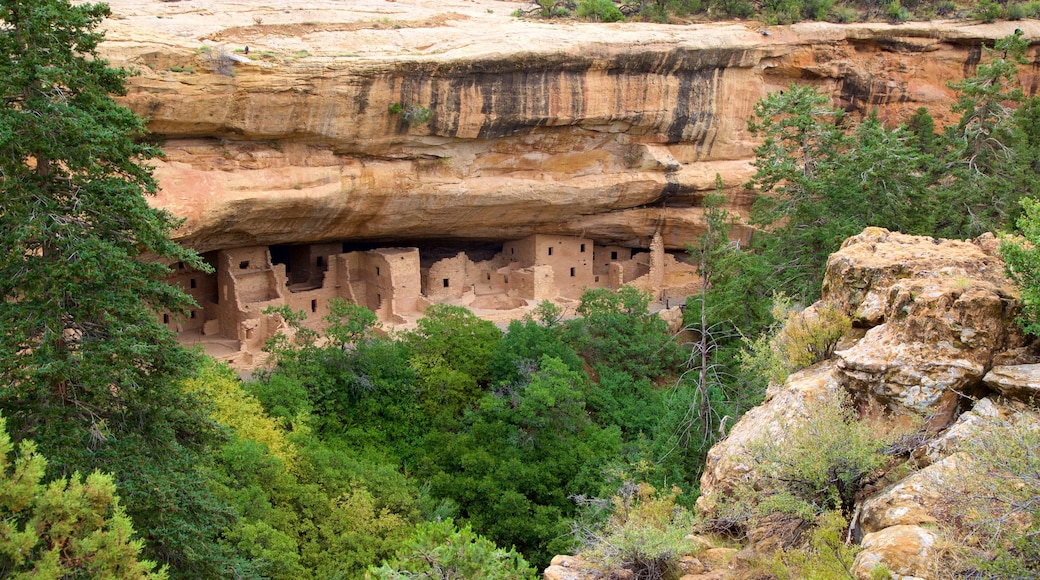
[(86, 370)]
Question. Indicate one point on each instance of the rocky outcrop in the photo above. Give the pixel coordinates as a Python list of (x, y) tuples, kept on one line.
[(606, 131), (938, 315), (938, 312)]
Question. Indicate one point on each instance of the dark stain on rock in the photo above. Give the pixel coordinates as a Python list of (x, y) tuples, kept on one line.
[(973, 60)]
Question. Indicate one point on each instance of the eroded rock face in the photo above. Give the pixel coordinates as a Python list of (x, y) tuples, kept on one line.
[(729, 461), (606, 131), (940, 311)]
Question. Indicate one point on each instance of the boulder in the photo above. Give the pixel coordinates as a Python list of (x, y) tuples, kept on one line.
[(565, 568), (860, 275), (907, 552), (915, 500), (1019, 382), (939, 310)]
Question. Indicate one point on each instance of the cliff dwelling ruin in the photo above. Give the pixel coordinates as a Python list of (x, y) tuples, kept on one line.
[(398, 283)]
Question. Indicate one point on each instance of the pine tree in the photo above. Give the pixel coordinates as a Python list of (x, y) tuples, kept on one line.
[(86, 370)]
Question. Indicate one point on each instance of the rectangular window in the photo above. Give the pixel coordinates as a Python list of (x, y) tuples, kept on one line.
[(550, 250), (572, 272), (192, 282), (321, 261), (314, 305), (377, 270), (243, 264), (613, 255), (583, 248), (192, 315), (165, 318), (445, 282)]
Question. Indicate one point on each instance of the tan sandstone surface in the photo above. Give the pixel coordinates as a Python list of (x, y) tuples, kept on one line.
[(611, 132)]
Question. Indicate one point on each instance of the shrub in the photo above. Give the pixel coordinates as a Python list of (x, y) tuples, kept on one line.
[(987, 11), (945, 8), (412, 113), (810, 336), (1022, 265), (818, 9), (827, 557), (733, 8), (806, 338), (600, 10), (1016, 11), (816, 465), (644, 535), (896, 13), (440, 551), (1002, 486), (843, 15)]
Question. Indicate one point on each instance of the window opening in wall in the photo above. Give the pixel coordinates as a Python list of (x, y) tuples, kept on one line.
[(314, 305), (243, 264), (192, 315), (613, 255), (180, 265), (512, 250), (191, 283), (597, 278), (583, 248), (506, 280), (572, 272), (550, 250), (377, 270), (489, 276), (165, 318), (321, 261), (446, 283)]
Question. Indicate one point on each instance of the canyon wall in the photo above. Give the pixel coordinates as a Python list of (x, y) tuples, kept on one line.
[(286, 131)]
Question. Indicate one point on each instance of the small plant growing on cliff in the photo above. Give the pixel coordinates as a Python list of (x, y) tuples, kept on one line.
[(813, 464), (643, 537), (810, 336), (805, 338), (412, 113), (1002, 487), (600, 11)]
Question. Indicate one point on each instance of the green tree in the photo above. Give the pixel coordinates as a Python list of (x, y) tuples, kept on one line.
[(820, 185), (88, 372), (982, 169), (441, 551), (68, 528), (1022, 264)]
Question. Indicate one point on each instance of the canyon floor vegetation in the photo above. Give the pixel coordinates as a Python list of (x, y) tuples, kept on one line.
[(455, 445)]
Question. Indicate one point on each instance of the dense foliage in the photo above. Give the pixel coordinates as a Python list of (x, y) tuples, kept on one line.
[(87, 371), (823, 178)]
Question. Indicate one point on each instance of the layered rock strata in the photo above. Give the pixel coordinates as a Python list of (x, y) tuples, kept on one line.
[(393, 122)]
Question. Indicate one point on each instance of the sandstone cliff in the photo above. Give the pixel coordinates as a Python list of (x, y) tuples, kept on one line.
[(607, 131)]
